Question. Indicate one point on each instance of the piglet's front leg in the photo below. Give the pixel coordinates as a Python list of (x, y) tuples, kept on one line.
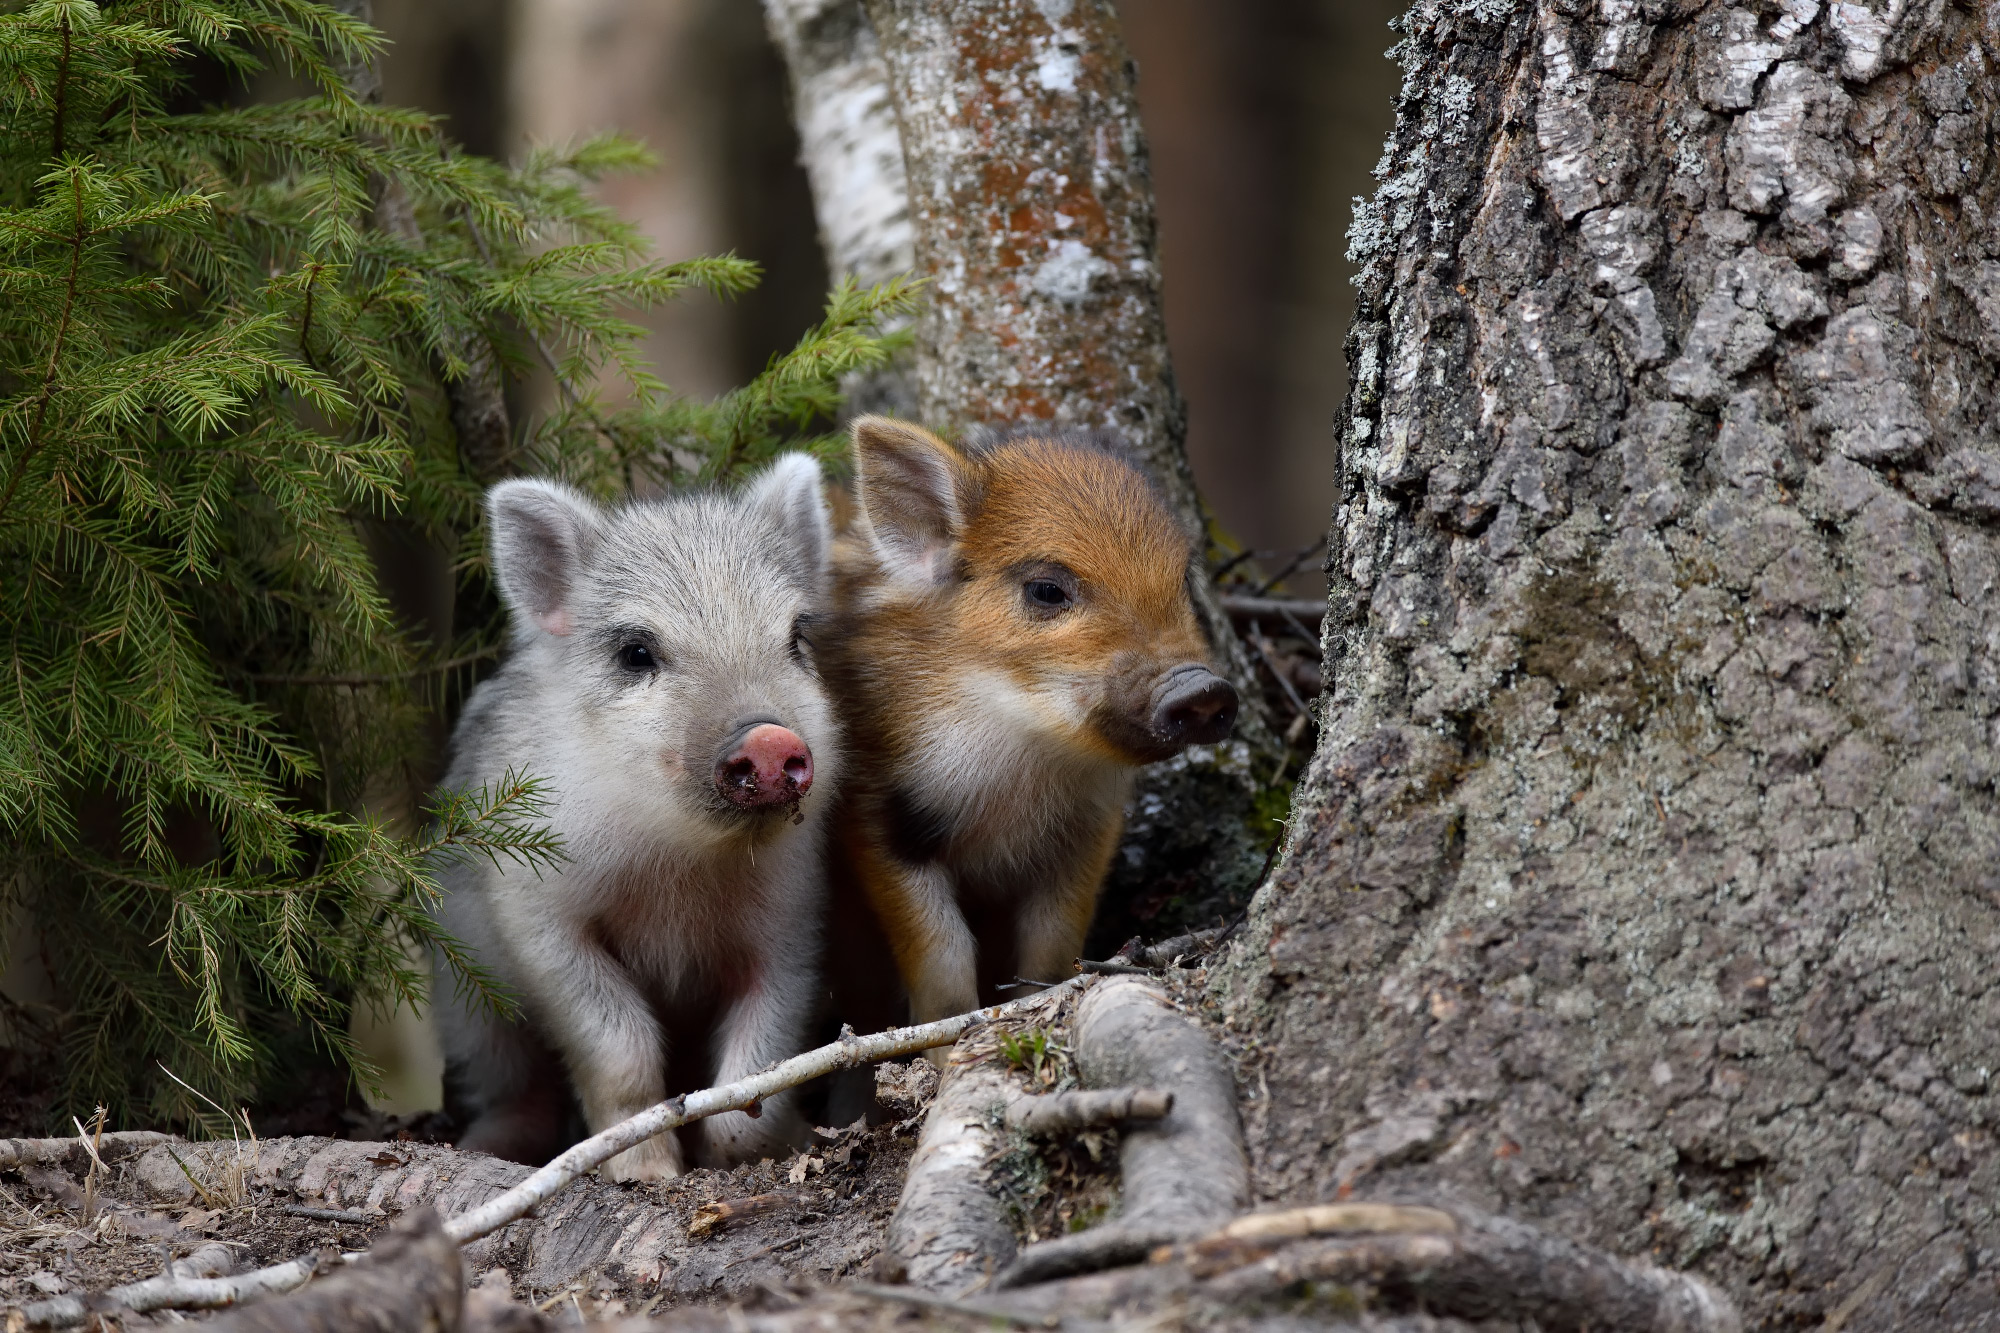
[(763, 1025), (614, 1048)]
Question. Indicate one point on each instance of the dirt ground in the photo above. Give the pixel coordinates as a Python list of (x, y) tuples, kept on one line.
[(820, 1215)]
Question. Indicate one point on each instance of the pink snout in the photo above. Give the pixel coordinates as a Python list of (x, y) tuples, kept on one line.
[(768, 766)]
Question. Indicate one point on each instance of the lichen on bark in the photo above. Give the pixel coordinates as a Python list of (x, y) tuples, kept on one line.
[(1645, 881)]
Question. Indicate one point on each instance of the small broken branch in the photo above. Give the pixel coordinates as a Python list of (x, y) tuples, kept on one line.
[(1067, 1112), (723, 1213)]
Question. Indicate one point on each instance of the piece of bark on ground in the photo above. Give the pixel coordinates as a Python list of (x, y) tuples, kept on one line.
[(1180, 1175)]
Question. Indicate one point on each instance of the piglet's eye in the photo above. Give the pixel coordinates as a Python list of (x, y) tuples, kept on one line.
[(1046, 593), (637, 657)]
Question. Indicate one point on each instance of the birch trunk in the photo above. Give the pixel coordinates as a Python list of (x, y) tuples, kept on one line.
[(1645, 882)]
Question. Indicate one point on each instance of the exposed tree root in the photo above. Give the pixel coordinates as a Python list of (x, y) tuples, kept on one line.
[(1448, 1260), (1182, 1174)]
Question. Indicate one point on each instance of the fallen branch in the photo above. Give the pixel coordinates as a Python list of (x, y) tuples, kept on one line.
[(170, 1291), (165, 1292), (1179, 1175), (950, 1231), (48, 1152), (1067, 1112)]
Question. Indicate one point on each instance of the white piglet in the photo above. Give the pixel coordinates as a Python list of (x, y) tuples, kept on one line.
[(661, 684)]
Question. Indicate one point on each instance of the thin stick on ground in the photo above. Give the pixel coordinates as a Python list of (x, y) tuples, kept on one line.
[(168, 1293)]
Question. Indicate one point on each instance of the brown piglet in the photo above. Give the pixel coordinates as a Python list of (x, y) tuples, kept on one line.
[(1013, 636)]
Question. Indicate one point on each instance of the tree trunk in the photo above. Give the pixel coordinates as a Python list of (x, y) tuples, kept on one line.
[(1647, 879)]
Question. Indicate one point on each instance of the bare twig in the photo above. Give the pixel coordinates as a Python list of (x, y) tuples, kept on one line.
[(1082, 1108), (847, 1053), (1311, 609), (1255, 638), (1304, 553)]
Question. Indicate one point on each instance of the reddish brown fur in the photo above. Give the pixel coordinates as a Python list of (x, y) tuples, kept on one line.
[(992, 741)]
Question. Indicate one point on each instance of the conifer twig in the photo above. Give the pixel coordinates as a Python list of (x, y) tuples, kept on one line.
[(378, 677)]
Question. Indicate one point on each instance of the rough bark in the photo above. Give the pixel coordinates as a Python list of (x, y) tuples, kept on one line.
[(951, 1231), (1033, 214), (1645, 880)]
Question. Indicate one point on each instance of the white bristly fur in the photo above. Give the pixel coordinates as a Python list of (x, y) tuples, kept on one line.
[(673, 907)]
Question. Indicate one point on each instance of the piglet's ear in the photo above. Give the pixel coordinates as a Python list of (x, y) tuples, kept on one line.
[(907, 479), (788, 493), (541, 533)]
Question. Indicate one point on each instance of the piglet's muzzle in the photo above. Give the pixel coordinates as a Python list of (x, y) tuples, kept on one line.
[(1192, 706), (763, 767)]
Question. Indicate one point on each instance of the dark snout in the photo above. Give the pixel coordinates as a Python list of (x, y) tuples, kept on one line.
[(763, 766), (1192, 706)]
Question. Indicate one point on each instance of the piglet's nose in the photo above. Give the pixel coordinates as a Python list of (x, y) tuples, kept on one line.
[(769, 765), (1193, 706)]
